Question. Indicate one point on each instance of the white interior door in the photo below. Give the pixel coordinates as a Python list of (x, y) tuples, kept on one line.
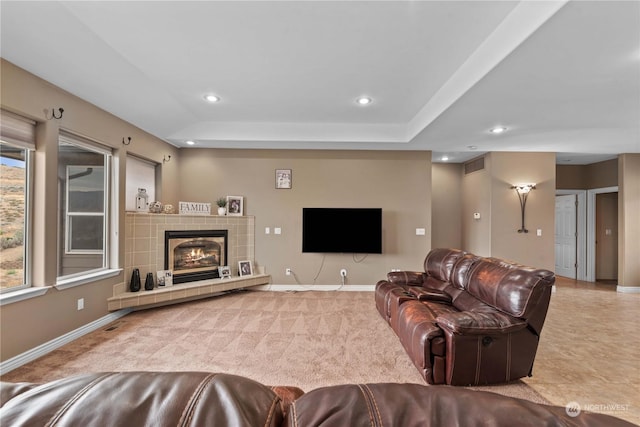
[(566, 236)]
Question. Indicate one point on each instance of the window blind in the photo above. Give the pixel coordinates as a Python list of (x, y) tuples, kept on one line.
[(17, 130)]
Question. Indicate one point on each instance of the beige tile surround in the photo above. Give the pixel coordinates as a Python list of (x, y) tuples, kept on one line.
[(144, 240), (184, 292)]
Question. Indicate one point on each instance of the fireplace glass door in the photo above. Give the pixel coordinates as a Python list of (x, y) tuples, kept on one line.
[(195, 254)]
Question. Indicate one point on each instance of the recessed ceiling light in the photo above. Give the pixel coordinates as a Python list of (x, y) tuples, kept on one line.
[(445, 158), (498, 129), (212, 98), (190, 142), (364, 100)]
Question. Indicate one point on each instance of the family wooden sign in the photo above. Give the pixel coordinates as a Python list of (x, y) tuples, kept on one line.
[(194, 208)]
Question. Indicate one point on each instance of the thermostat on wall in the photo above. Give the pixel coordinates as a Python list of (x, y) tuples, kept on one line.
[(476, 215)]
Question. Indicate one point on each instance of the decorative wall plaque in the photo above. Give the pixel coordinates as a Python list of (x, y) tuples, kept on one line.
[(194, 208)]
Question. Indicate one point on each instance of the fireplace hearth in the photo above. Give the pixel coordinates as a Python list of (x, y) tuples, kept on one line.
[(195, 254)]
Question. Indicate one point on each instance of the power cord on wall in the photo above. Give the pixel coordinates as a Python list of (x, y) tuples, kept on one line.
[(356, 260), (319, 269), (343, 278)]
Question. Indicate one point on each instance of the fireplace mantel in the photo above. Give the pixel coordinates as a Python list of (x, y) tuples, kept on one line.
[(184, 292)]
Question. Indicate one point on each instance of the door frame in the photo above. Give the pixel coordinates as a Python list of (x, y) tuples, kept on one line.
[(591, 229), (581, 229)]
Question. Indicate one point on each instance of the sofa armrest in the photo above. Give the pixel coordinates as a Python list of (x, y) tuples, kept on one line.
[(10, 390), (479, 323), (415, 278), (425, 294)]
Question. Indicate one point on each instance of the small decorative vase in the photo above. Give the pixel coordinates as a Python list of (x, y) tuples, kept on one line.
[(148, 283), (134, 284), (222, 211)]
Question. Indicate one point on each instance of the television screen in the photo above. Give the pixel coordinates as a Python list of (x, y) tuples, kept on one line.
[(342, 230)]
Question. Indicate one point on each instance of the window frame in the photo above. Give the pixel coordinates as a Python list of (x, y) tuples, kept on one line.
[(110, 220), (28, 214), (18, 132)]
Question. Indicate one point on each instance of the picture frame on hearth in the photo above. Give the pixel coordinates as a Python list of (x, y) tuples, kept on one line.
[(164, 277), (235, 205), (283, 178), (245, 268), (225, 271)]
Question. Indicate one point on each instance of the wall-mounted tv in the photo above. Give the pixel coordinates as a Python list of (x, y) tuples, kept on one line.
[(342, 230)]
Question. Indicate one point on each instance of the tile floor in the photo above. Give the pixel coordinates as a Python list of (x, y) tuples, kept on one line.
[(589, 350)]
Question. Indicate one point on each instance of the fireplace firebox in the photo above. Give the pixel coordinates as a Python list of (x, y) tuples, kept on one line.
[(195, 254)]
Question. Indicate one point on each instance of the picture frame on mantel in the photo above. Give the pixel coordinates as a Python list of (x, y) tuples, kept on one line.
[(235, 205)]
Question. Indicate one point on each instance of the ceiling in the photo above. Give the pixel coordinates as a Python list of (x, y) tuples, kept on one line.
[(560, 76)]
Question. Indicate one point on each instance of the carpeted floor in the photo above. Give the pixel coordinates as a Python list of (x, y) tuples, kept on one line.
[(307, 339)]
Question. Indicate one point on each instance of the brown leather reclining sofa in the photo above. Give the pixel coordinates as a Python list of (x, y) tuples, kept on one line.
[(467, 320), (158, 399)]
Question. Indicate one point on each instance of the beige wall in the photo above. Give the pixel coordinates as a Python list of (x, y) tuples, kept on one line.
[(446, 205), (585, 177), (397, 182), (476, 198), (488, 192), (628, 222), (508, 169)]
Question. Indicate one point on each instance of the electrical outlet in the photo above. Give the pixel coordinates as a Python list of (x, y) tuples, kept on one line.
[(343, 272), (80, 304), (287, 272)]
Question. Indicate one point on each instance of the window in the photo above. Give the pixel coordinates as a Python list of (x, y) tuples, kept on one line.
[(85, 209), (140, 174), (13, 202), (84, 205), (17, 141)]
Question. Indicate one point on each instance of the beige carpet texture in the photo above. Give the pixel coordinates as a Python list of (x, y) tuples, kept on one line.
[(305, 339)]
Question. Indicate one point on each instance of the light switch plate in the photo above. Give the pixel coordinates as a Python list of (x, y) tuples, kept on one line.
[(420, 231)]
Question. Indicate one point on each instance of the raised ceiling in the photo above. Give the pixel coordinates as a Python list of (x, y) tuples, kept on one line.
[(560, 76)]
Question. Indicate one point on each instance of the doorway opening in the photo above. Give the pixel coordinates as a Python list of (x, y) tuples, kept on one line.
[(606, 238), (588, 235)]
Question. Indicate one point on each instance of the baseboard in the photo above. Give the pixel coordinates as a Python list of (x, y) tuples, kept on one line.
[(628, 289), (39, 351), (327, 288)]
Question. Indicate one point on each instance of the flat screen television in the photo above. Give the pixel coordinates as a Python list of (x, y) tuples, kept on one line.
[(342, 230)]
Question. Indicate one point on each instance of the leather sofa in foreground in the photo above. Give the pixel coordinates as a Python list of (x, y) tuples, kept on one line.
[(205, 399), (466, 319)]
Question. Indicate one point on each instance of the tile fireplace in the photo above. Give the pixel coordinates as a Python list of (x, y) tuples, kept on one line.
[(145, 250), (145, 234)]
